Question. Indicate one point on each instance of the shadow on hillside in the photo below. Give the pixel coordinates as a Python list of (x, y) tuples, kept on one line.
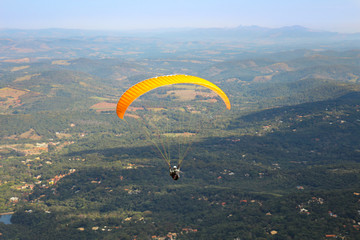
[(121, 152), (352, 98), (310, 140)]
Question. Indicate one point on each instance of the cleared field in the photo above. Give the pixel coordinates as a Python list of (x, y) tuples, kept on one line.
[(185, 134), (31, 134), (132, 115), (26, 77), (11, 92), (26, 149), (61, 62), (14, 69), (20, 60), (10, 97), (104, 106)]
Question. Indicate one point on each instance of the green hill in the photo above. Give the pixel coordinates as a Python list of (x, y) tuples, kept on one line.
[(282, 164), (252, 176)]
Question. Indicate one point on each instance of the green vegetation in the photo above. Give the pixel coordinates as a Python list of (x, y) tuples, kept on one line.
[(282, 164)]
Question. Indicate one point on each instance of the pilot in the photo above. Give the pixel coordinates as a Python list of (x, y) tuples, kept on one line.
[(174, 173)]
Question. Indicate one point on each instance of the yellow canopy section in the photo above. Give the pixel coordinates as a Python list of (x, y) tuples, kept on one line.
[(147, 85)]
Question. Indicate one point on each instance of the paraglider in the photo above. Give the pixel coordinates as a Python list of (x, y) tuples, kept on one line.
[(145, 86)]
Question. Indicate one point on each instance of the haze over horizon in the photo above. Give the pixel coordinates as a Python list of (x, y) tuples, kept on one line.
[(324, 15)]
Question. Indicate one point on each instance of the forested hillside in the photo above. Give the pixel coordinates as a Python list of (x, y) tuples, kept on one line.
[(283, 163)]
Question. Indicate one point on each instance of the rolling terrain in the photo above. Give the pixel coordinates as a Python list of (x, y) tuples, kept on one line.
[(282, 164)]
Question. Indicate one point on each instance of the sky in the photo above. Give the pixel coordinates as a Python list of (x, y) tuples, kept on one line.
[(326, 15)]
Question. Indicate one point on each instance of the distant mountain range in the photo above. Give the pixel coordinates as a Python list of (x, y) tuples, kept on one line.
[(240, 32), (250, 36)]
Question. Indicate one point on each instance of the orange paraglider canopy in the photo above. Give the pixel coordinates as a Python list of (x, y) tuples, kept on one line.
[(147, 85)]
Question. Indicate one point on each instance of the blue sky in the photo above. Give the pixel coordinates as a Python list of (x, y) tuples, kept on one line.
[(330, 15)]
